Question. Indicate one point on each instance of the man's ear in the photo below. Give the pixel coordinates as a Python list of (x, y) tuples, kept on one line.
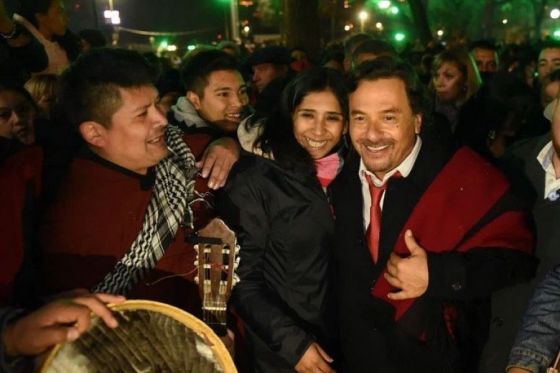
[(417, 123), (93, 133), (194, 99)]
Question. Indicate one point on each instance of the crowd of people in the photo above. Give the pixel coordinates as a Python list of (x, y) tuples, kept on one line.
[(395, 209)]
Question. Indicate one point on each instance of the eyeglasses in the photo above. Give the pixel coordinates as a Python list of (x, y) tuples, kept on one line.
[(23, 112)]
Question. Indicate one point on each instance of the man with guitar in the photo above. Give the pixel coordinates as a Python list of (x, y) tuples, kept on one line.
[(117, 214)]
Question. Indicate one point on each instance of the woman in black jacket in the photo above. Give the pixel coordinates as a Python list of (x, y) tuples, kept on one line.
[(276, 203)]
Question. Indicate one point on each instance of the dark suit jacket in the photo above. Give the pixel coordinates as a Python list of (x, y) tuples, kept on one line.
[(368, 330), (508, 305)]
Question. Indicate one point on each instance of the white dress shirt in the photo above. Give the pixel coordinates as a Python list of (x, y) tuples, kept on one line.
[(551, 181), (404, 169)]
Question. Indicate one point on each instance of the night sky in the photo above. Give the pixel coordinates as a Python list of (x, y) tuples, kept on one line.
[(151, 15)]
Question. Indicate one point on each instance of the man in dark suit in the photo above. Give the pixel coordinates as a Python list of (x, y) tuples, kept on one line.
[(422, 236), (534, 168)]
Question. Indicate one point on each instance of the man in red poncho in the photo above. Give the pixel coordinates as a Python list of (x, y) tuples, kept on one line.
[(423, 237)]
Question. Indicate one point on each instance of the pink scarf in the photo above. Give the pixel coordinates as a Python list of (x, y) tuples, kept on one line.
[(327, 168)]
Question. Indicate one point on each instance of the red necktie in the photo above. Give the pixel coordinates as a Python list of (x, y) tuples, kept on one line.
[(372, 233)]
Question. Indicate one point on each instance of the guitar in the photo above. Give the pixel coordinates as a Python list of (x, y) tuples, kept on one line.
[(555, 368), (217, 249)]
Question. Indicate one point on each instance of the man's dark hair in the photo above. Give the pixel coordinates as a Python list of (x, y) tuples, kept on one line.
[(549, 44), (197, 69), (483, 44), (335, 52), (28, 9), (352, 41), (386, 67), (89, 88), (377, 47)]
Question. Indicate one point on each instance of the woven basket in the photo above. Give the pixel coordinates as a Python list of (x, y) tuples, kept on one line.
[(151, 337)]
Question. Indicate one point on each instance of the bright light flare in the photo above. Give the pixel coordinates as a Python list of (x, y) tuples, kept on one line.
[(384, 4), (363, 16)]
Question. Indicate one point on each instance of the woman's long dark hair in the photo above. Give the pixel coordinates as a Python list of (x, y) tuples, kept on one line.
[(278, 132)]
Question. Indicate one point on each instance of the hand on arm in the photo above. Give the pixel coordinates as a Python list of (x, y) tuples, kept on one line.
[(314, 360), (409, 274), (217, 161), (57, 322)]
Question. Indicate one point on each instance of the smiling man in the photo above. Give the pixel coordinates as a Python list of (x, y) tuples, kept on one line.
[(116, 219), (420, 234), (216, 95), (549, 59)]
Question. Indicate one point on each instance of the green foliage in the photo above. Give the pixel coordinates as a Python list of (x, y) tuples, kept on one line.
[(456, 16), (483, 18)]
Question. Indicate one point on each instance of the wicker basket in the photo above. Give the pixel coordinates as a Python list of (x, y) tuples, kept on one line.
[(151, 337)]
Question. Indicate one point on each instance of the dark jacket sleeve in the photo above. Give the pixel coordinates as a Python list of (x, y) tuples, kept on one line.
[(244, 205), (8, 364), (476, 272)]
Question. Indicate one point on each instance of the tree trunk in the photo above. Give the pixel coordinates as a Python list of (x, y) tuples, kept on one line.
[(539, 15), (488, 21), (301, 26), (421, 20)]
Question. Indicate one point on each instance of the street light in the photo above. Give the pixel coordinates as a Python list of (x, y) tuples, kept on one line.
[(384, 4), (555, 13), (112, 17), (234, 16), (363, 17), (399, 36)]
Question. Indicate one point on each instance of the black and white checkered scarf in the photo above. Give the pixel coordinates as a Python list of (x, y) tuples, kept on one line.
[(173, 190)]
